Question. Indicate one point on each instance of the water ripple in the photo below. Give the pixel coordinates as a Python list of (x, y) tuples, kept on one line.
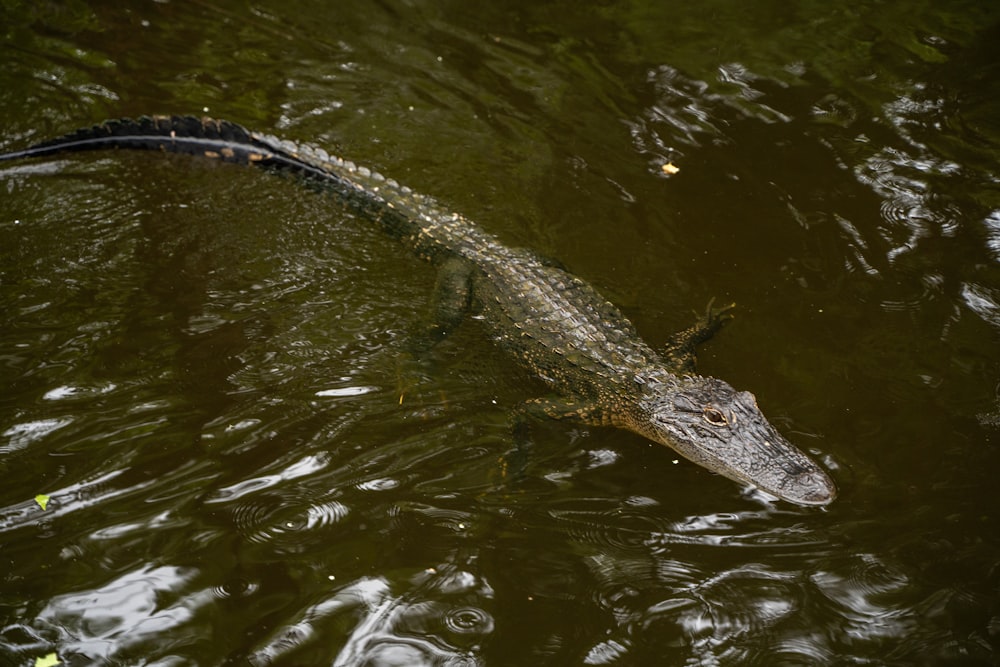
[(437, 618), (982, 300), (468, 621), (290, 521), (802, 651), (22, 435), (346, 392), (304, 467), (992, 224), (621, 528), (673, 604), (863, 597), (689, 114), (126, 615), (720, 530), (236, 589), (63, 501)]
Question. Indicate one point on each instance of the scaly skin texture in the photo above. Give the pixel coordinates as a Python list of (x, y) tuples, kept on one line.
[(554, 324)]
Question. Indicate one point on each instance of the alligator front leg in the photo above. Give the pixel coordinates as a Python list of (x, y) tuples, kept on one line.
[(543, 409), (679, 351), (551, 407)]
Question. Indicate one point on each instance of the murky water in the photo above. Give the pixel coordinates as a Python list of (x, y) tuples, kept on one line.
[(200, 364)]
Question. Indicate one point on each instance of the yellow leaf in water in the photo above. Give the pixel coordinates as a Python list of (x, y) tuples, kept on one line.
[(51, 660), (42, 501), (670, 169)]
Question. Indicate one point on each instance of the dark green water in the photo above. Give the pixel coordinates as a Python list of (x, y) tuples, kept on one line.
[(199, 362)]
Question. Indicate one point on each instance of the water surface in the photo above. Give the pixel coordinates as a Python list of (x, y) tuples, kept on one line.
[(201, 365)]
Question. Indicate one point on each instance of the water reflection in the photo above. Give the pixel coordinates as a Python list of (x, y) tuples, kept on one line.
[(127, 616), (435, 619), (864, 596)]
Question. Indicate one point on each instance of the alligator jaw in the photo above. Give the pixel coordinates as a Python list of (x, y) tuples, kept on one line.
[(809, 488)]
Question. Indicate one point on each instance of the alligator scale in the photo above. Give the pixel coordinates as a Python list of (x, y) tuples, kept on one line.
[(554, 324)]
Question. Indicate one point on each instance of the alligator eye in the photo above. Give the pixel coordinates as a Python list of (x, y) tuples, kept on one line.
[(714, 417)]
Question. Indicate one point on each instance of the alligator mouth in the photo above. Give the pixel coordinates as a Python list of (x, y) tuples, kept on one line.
[(813, 488), (810, 487), (774, 466)]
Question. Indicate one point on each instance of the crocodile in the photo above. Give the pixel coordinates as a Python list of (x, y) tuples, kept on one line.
[(556, 325)]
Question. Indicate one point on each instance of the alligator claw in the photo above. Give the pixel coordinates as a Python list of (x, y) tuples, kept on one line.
[(715, 318)]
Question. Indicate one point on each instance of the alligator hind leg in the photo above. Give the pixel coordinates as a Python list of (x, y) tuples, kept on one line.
[(449, 305), (679, 351)]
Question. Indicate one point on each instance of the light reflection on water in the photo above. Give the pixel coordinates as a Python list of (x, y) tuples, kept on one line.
[(201, 368)]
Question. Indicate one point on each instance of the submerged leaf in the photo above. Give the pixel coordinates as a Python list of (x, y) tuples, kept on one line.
[(43, 501)]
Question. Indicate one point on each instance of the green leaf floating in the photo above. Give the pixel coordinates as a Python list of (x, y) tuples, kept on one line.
[(51, 660), (43, 501)]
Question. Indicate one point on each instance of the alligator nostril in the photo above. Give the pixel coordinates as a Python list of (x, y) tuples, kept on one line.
[(819, 490)]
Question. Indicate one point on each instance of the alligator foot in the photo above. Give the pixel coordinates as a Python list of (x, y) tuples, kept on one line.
[(411, 372), (679, 351), (514, 463)]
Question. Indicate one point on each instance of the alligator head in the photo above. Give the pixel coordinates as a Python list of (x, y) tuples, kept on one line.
[(709, 422)]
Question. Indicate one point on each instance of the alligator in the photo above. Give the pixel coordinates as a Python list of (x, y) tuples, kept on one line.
[(554, 324)]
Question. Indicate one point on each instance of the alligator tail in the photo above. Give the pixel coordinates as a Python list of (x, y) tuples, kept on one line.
[(401, 212), (175, 134), (206, 137)]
